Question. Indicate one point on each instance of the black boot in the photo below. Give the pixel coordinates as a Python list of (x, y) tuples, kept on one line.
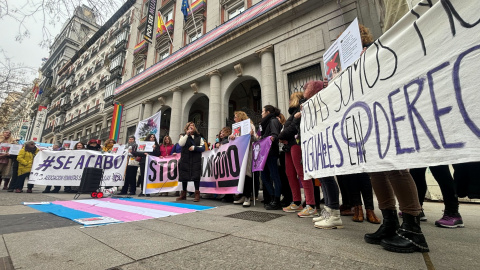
[(409, 238), (274, 205), (387, 229)]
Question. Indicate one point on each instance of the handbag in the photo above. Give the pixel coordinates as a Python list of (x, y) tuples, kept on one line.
[(138, 159), (133, 162)]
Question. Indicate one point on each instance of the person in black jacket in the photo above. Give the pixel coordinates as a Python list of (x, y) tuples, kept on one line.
[(270, 126), (143, 155), (190, 163)]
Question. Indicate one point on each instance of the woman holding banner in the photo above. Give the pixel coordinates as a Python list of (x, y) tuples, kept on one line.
[(270, 127), (25, 160), (142, 156), (239, 116), (190, 163), (293, 161), (5, 162)]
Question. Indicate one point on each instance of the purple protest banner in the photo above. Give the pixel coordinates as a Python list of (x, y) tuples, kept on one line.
[(260, 153)]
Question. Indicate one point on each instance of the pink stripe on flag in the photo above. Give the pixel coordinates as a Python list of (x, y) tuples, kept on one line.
[(101, 211), (151, 206)]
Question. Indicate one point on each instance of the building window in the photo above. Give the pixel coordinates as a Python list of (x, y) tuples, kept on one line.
[(116, 61), (139, 69), (193, 36), (297, 79), (122, 36), (163, 54), (110, 88), (233, 12), (98, 126)]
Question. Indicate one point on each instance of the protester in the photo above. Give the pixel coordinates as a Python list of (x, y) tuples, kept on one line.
[(25, 161), (451, 217), (293, 161), (398, 183), (286, 190), (270, 126), (5, 159), (142, 156), (93, 145), (239, 116), (166, 147), (132, 169), (108, 146), (56, 189), (190, 164)]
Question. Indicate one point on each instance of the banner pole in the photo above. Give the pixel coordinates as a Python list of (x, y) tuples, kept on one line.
[(253, 190)]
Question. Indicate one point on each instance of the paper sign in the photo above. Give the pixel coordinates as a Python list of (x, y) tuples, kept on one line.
[(241, 128)]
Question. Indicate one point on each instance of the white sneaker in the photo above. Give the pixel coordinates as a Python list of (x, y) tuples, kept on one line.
[(239, 201), (308, 211), (246, 203), (331, 221), (323, 215)]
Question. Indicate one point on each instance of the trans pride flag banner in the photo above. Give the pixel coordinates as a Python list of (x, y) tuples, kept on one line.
[(94, 211)]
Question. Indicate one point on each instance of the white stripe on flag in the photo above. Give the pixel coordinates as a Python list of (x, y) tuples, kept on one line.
[(127, 208)]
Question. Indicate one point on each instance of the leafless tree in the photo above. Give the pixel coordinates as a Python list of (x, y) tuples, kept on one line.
[(13, 77), (46, 13)]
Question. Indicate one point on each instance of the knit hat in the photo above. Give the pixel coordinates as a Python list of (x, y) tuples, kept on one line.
[(311, 88)]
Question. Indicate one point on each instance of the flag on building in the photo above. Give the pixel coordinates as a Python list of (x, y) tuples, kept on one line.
[(185, 9), (116, 119), (35, 88), (161, 24)]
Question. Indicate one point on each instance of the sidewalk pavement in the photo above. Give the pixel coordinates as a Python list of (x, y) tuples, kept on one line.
[(212, 240)]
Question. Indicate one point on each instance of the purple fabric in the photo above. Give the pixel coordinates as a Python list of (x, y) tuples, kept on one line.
[(260, 153)]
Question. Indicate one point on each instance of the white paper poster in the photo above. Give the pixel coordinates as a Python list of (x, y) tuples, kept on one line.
[(344, 51), (241, 128), (118, 149)]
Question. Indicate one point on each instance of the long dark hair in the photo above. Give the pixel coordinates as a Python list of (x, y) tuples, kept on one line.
[(147, 139)]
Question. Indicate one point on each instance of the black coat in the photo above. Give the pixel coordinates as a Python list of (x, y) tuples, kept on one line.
[(156, 153), (190, 164), (271, 127), (291, 127)]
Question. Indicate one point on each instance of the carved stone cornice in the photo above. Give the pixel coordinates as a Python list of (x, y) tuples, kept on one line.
[(269, 48), (215, 72)]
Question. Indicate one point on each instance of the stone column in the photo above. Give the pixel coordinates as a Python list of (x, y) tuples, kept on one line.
[(176, 124), (269, 91), (215, 105), (147, 109), (104, 121)]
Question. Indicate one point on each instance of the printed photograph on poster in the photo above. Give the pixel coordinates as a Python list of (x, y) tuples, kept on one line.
[(4, 148), (118, 149), (344, 51), (145, 146), (241, 128)]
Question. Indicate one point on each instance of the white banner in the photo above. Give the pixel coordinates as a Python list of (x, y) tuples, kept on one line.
[(410, 101), (65, 168), (148, 126), (39, 123)]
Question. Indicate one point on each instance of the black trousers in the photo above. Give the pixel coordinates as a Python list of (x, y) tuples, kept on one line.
[(467, 179), (130, 179), (359, 186), (248, 186), (286, 190), (21, 181), (13, 182), (343, 185), (445, 181)]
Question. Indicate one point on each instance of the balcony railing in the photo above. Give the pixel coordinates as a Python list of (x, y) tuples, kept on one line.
[(81, 117)]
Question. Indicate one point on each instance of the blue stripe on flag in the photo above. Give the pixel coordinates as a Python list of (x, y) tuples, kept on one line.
[(180, 205), (62, 211)]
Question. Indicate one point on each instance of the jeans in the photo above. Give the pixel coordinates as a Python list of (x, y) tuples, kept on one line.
[(445, 181), (330, 192), (397, 183), (294, 170), (271, 178), (358, 187)]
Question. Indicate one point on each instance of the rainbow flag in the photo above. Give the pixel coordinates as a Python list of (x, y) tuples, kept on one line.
[(116, 119), (140, 46), (197, 5)]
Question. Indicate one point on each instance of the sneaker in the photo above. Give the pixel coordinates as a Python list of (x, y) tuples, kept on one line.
[(240, 200), (246, 203), (450, 220), (308, 212), (323, 214), (331, 221), (292, 208), (422, 216)]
